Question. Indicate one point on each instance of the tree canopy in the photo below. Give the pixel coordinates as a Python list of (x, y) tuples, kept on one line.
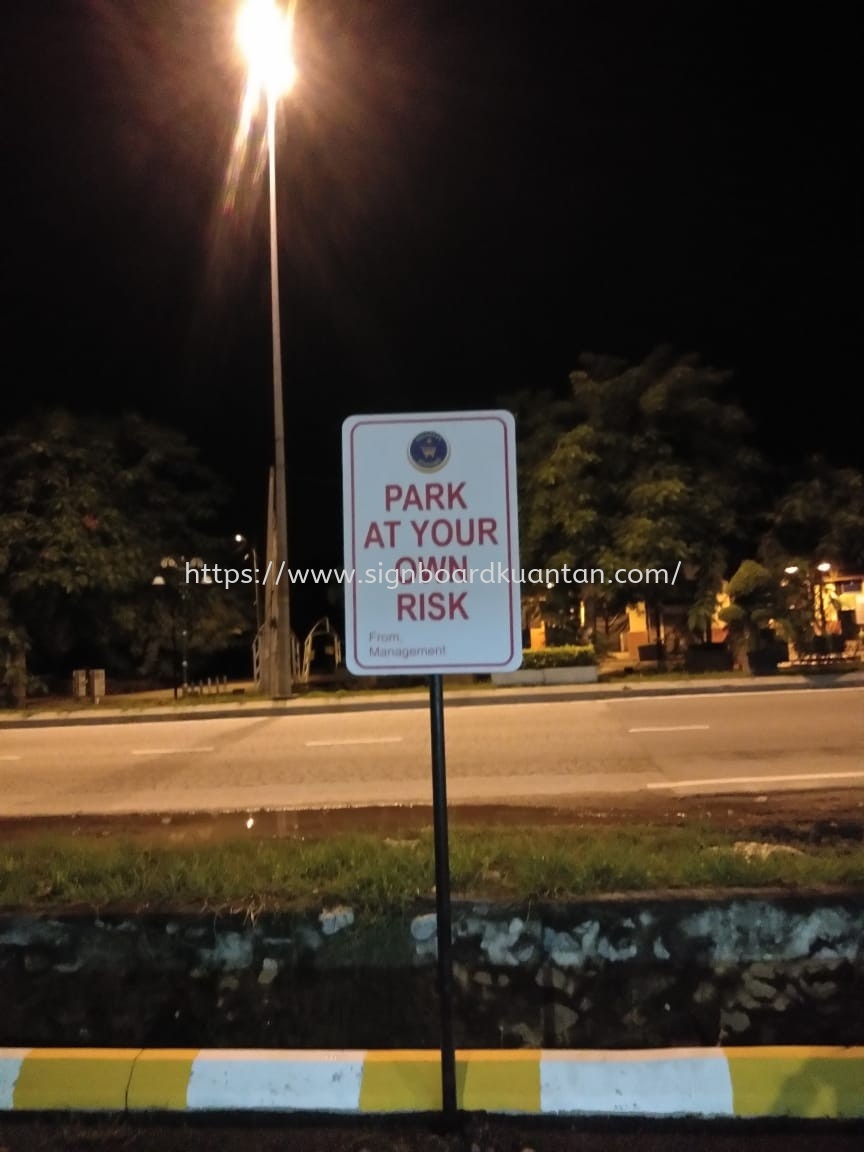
[(647, 465), (89, 508), (819, 517)]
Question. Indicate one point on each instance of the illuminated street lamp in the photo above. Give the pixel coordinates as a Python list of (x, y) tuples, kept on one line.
[(815, 594), (250, 553), (822, 569), (265, 33), (180, 585)]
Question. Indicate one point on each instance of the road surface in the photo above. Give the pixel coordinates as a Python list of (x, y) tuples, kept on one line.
[(539, 752)]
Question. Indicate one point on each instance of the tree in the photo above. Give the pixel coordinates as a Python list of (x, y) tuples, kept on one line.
[(758, 616), (541, 419), (89, 507), (654, 470), (820, 517)]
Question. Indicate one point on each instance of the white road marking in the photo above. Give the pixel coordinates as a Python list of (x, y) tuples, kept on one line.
[(674, 728), (167, 751), (757, 779), (356, 740), (709, 694)]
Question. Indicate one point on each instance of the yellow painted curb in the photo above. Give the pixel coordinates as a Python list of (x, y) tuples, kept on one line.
[(506, 1081), (401, 1082), (83, 1079), (800, 1082), (160, 1079), (808, 1083)]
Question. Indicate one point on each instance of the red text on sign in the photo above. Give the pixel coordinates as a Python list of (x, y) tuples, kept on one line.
[(420, 568), (382, 539), (443, 533), (444, 497), (418, 606)]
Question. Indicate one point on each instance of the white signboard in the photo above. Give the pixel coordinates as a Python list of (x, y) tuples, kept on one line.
[(431, 543)]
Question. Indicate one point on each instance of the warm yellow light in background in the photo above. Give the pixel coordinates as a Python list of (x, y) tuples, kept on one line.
[(266, 35)]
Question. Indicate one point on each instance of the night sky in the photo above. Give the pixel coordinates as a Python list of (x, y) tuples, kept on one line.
[(471, 194)]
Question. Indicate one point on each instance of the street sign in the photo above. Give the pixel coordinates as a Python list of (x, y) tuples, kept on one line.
[(431, 544)]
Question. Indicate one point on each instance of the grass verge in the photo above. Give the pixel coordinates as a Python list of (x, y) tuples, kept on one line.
[(371, 873)]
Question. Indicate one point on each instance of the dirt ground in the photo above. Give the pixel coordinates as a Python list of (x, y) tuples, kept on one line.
[(813, 815), (474, 1135)]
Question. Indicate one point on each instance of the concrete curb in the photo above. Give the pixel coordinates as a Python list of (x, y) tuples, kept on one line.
[(751, 1083), (576, 694)]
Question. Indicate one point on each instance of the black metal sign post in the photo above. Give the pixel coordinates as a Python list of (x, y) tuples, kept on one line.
[(461, 466), (442, 901)]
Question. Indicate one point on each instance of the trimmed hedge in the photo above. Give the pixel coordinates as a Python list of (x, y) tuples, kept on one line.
[(565, 656)]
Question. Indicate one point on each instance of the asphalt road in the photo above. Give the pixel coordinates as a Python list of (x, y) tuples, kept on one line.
[(541, 752)]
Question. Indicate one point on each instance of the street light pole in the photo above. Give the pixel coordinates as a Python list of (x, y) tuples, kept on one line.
[(180, 588), (184, 640), (266, 33), (822, 569), (284, 661), (252, 554)]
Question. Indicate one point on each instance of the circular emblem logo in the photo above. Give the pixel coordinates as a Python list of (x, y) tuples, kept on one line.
[(428, 451)]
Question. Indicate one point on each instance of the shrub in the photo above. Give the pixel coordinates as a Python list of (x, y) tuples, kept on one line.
[(756, 607), (566, 656)]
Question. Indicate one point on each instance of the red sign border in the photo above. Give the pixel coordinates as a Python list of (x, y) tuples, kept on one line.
[(402, 669)]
